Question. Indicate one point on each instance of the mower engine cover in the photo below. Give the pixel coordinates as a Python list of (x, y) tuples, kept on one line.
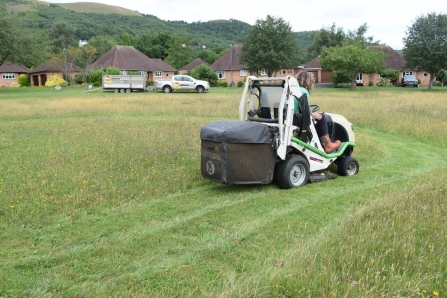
[(237, 152)]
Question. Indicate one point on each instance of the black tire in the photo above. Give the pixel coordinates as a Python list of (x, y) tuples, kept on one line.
[(292, 172), (348, 166), (167, 89), (116, 90), (128, 90), (121, 90), (200, 89)]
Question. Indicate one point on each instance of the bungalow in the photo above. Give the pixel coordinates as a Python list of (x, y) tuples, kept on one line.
[(192, 65), (10, 73), (128, 59), (230, 69), (54, 66), (393, 61)]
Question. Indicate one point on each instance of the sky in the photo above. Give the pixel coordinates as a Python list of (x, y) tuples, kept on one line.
[(387, 20)]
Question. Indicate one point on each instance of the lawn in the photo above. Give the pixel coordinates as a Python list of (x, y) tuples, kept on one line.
[(101, 195)]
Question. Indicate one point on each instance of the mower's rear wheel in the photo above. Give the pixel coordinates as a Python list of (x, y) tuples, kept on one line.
[(292, 172), (348, 166)]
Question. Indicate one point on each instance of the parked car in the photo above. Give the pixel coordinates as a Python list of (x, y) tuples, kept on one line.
[(182, 83), (409, 80)]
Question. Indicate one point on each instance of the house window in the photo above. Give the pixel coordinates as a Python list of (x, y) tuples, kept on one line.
[(8, 76), (243, 73), (359, 77), (220, 74), (142, 73), (158, 74), (263, 72), (425, 74), (407, 73), (123, 72)]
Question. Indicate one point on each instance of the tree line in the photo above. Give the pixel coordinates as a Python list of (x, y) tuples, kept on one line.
[(32, 37)]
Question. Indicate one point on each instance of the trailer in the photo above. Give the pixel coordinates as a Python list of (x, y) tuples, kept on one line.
[(124, 83)]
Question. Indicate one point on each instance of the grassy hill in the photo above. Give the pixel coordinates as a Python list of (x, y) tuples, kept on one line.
[(89, 7), (93, 19)]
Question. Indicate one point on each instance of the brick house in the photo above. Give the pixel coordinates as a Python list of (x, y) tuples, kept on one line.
[(127, 58), (192, 65), (394, 61), (54, 66), (9, 73), (230, 69)]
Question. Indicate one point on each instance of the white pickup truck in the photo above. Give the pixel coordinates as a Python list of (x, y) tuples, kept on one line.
[(182, 83)]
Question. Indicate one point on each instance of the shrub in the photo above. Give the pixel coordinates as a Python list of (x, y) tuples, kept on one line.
[(370, 83), (391, 74), (384, 82), (222, 83), (95, 76), (113, 71), (23, 80), (203, 72), (78, 78), (150, 83), (55, 81), (340, 80), (14, 85), (240, 84), (419, 82)]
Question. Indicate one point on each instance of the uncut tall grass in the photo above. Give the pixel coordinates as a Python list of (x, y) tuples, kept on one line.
[(101, 195)]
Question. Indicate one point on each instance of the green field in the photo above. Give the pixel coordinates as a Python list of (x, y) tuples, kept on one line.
[(101, 196)]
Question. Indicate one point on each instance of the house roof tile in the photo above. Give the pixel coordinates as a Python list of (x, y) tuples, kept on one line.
[(194, 64), (394, 60), (230, 60), (55, 65), (13, 67), (129, 58)]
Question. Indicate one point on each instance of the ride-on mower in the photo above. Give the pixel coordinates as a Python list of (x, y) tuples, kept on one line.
[(270, 142)]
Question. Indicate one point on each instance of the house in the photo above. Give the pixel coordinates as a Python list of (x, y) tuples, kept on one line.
[(54, 66), (128, 59), (10, 73), (192, 65), (82, 43), (394, 61), (230, 69)]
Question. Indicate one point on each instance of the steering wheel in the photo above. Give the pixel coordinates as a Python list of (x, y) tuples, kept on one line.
[(314, 107)]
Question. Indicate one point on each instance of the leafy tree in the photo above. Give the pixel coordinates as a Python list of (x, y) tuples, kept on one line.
[(208, 56), (180, 52), (18, 44), (425, 46), (442, 76), (85, 59), (325, 37), (203, 72), (127, 39), (162, 42), (271, 45), (102, 43), (62, 36), (358, 37), (352, 59)]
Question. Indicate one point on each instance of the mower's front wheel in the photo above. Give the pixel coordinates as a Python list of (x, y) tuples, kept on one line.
[(292, 172), (348, 166)]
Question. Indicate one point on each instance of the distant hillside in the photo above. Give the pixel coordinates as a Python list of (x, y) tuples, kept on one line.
[(93, 19), (89, 7)]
